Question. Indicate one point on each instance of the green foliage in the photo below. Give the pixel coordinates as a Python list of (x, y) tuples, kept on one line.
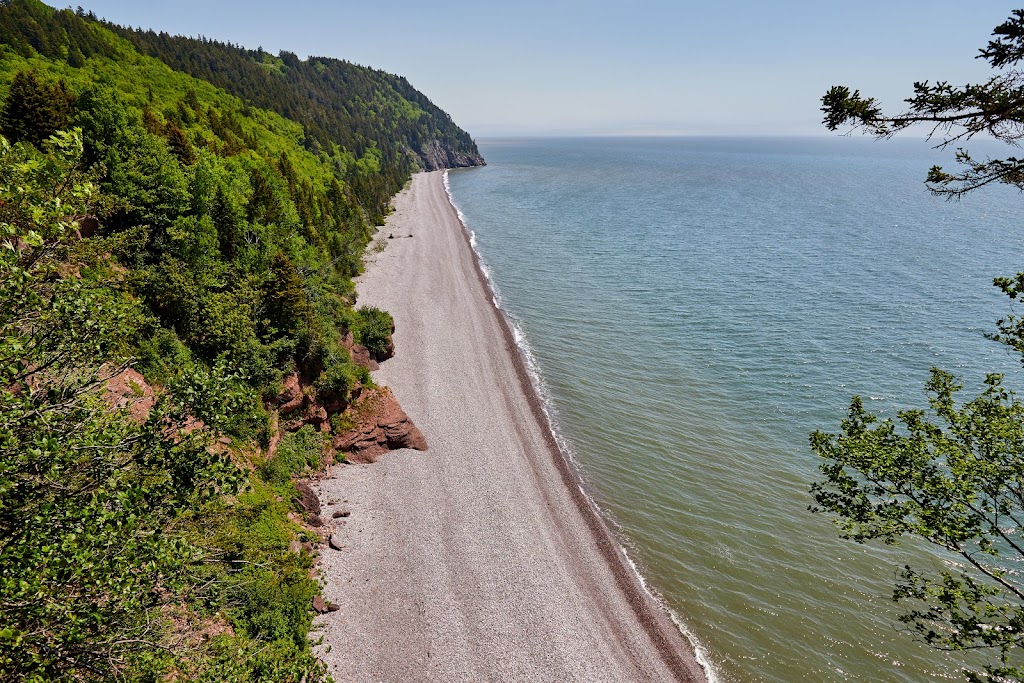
[(955, 478), (89, 498), (373, 125), (372, 328), (343, 422), (340, 376), (163, 356), (34, 111), (211, 242), (268, 603), (299, 453), (265, 591), (952, 475), (287, 305), (994, 108)]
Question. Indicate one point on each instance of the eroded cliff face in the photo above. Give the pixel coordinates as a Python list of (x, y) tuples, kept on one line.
[(436, 156), (370, 424), (382, 426)]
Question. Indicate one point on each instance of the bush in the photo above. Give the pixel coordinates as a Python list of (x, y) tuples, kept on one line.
[(265, 589), (339, 378), (373, 329), (162, 356), (274, 605)]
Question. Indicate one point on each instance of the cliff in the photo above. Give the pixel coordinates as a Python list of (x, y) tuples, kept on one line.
[(435, 156)]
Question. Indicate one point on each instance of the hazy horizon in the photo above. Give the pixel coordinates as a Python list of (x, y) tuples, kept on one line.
[(600, 68)]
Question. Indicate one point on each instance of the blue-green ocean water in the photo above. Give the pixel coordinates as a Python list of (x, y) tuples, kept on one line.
[(695, 307)]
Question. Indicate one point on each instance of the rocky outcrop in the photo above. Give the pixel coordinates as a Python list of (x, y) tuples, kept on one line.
[(363, 356), (382, 426), (306, 499), (129, 389), (291, 397), (298, 405), (126, 389), (436, 156)]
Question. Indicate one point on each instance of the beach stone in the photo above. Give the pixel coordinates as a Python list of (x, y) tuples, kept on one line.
[(336, 542), (341, 513), (315, 521), (307, 499), (320, 605)]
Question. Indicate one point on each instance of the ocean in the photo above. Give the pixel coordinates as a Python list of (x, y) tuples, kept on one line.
[(693, 308)]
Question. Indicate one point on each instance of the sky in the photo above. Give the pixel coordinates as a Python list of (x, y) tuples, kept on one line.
[(571, 67)]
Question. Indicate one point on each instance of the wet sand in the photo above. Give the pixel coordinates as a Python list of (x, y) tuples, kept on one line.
[(480, 559)]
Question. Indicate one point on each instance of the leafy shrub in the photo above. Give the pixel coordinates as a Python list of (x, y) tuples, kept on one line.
[(265, 588), (339, 378), (373, 330), (162, 356), (274, 604), (343, 422)]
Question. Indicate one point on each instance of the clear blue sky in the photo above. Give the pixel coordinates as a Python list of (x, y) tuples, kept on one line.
[(597, 67)]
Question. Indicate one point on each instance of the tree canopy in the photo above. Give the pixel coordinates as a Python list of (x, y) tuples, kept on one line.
[(951, 474), (956, 113)]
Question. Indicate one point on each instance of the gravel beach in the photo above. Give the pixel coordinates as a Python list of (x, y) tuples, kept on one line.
[(479, 559)]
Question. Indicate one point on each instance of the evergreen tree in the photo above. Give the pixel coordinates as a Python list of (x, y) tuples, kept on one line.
[(287, 308), (34, 110), (180, 146), (228, 220)]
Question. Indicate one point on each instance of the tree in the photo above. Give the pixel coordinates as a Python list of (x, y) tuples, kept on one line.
[(957, 113), (92, 499), (228, 219), (951, 475), (33, 110)]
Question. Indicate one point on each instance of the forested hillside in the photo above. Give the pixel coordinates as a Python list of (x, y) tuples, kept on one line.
[(170, 252), (341, 106), (336, 101)]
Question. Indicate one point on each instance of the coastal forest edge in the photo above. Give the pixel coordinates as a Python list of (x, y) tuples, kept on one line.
[(182, 219)]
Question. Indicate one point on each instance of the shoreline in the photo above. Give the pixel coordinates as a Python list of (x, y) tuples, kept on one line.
[(592, 591), (627, 574)]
